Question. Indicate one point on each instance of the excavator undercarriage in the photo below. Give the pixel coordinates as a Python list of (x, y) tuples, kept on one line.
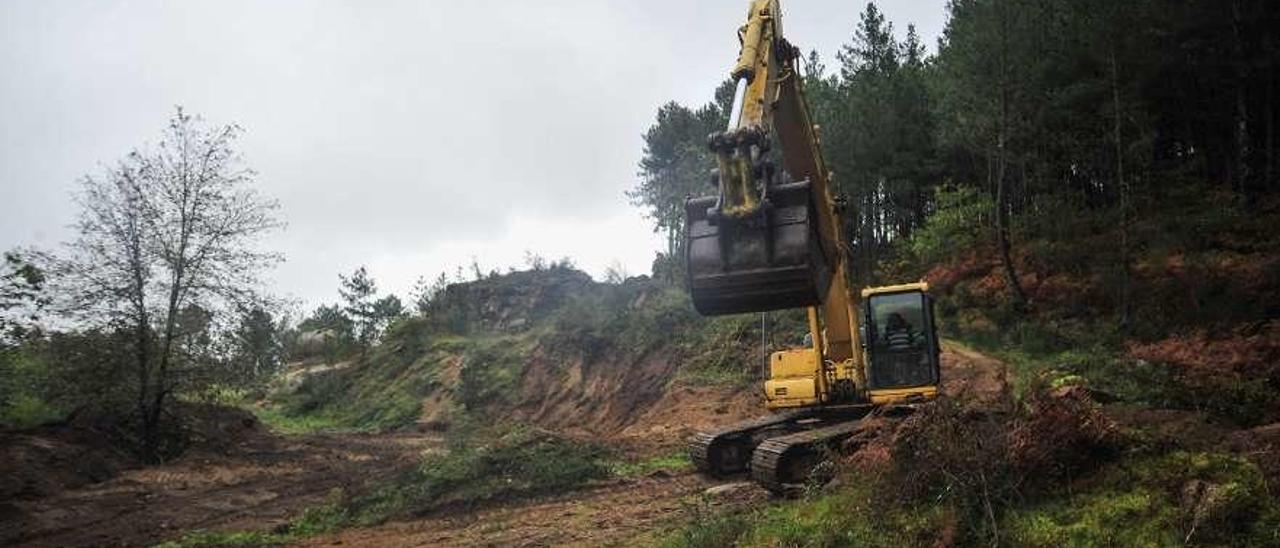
[(780, 450)]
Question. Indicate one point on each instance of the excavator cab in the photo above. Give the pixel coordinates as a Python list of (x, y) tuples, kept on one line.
[(901, 342)]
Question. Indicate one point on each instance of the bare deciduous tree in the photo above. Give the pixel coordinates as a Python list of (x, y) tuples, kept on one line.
[(168, 228)]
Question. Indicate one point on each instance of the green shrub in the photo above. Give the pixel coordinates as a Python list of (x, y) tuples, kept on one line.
[(24, 410), (490, 372), (25, 395), (955, 227), (505, 462), (483, 463), (1167, 500)]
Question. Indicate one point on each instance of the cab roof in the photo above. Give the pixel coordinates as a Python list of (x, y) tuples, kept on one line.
[(920, 286)]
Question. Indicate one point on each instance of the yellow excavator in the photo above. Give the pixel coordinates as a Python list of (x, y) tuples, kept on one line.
[(771, 238)]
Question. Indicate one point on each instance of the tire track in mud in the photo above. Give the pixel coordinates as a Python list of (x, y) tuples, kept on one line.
[(619, 512)]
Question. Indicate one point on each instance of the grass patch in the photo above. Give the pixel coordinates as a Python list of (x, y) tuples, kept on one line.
[(714, 377), (503, 462), (1167, 500), (485, 463), (848, 517), (710, 532), (1099, 367), (1114, 376), (280, 421), (672, 462), (1177, 499), (490, 372)]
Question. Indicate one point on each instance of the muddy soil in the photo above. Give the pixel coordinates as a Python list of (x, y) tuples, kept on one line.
[(622, 512), (259, 485)]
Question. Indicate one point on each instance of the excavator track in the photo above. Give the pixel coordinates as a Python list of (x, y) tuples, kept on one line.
[(793, 459), (728, 451)]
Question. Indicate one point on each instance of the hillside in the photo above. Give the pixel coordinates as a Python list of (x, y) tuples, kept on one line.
[(631, 366), (576, 379), (551, 348), (522, 397)]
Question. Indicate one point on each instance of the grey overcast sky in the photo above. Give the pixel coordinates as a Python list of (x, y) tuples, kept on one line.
[(405, 136)]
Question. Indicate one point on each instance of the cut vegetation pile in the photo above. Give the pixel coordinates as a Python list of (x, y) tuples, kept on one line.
[(1051, 470)]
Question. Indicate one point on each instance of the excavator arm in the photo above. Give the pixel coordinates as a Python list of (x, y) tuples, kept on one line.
[(772, 237)]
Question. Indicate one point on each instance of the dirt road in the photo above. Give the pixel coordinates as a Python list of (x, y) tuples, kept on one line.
[(967, 372)]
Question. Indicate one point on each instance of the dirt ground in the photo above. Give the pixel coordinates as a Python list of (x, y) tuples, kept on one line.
[(268, 479), (619, 513), (966, 372), (258, 485)]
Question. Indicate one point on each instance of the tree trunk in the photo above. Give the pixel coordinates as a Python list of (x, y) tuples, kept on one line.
[(176, 291), (1123, 186), (1240, 163), (1002, 161), (137, 268), (147, 431), (1002, 236), (1270, 173)]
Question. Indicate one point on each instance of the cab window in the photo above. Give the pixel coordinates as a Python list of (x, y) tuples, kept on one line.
[(898, 321), (901, 349)]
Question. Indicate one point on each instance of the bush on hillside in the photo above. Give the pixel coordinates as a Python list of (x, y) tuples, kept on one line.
[(1180, 498), (1235, 376), (490, 373), (978, 462)]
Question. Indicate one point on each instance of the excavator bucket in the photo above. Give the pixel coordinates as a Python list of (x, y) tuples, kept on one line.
[(768, 260)]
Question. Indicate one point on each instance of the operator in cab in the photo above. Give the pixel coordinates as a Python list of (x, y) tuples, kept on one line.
[(898, 334)]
